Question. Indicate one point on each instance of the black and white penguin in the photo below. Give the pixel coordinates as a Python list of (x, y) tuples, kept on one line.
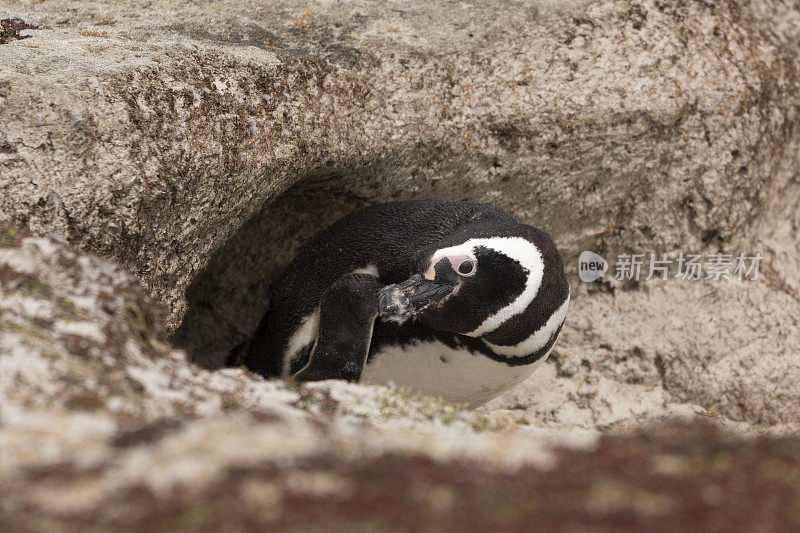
[(452, 299)]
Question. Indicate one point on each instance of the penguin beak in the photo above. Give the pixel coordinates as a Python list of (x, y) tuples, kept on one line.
[(407, 298)]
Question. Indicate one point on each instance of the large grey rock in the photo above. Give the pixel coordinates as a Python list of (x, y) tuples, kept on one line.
[(644, 124), (92, 400), (193, 148), (103, 426), (199, 147)]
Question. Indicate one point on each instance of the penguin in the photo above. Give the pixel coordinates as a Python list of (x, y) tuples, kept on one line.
[(452, 299)]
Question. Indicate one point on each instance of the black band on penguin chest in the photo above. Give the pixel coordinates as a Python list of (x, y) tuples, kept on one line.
[(390, 334)]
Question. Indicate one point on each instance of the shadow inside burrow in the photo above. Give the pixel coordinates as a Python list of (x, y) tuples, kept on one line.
[(230, 295), (228, 298)]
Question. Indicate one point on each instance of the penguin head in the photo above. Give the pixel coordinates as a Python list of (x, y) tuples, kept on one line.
[(496, 281)]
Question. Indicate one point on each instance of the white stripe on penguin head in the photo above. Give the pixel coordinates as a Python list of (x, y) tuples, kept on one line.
[(517, 248)]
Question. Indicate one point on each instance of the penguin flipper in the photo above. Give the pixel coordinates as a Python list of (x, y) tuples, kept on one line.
[(347, 313)]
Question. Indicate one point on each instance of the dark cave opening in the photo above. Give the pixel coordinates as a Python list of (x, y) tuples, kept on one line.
[(228, 298), (231, 294)]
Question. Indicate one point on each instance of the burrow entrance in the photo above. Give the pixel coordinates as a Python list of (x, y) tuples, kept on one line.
[(231, 294)]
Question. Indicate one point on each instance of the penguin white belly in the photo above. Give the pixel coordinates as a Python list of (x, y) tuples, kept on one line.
[(455, 374)]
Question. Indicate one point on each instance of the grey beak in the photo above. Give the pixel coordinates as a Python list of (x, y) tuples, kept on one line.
[(406, 298)]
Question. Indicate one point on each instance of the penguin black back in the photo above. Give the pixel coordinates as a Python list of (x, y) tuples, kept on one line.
[(385, 236)]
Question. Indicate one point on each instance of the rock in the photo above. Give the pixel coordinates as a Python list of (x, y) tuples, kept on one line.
[(726, 349), (152, 134), (199, 150), (79, 335), (102, 424), (166, 161), (91, 400)]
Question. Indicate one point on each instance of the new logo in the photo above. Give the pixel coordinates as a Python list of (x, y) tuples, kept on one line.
[(591, 266)]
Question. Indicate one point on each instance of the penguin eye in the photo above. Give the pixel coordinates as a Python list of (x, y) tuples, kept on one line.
[(467, 267)]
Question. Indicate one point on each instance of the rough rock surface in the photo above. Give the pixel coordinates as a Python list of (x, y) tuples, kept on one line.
[(103, 425), (151, 132), (193, 148)]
